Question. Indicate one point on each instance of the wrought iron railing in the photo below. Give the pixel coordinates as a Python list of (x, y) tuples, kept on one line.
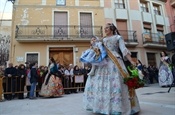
[(128, 35), (154, 38), (57, 31), (38, 32)]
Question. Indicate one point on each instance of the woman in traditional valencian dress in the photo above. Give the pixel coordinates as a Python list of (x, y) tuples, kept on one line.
[(165, 73), (105, 91), (52, 86)]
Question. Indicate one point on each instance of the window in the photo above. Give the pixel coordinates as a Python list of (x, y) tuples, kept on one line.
[(156, 9), (160, 32), (61, 2), (147, 32), (119, 4), (151, 59), (86, 25), (134, 56), (159, 28), (144, 7), (32, 57), (61, 24), (147, 27), (122, 26)]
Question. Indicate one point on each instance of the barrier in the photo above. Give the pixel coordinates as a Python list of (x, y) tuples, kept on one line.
[(16, 85)]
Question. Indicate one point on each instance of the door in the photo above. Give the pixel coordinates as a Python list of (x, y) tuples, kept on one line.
[(62, 55), (151, 59)]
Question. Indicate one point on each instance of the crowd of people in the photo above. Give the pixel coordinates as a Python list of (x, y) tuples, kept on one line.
[(47, 81), (21, 78)]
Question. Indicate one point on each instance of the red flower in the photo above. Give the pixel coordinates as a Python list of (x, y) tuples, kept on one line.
[(133, 82)]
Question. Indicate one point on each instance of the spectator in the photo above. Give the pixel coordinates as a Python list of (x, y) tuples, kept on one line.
[(10, 74), (33, 79), (28, 85), (21, 73), (77, 71)]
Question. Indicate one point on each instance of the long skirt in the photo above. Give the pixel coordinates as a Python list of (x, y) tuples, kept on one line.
[(54, 87), (106, 93), (165, 76)]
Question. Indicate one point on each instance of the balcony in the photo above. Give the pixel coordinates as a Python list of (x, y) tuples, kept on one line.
[(153, 40), (130, 37), (173, 3), (53, 33), (62, 33)]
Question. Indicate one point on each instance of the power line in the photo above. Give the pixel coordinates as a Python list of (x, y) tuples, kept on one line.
[(3, 12)]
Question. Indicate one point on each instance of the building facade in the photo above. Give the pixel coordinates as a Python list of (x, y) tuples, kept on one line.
[(170, 8), (62, 28), (150, 20), (54, 28)]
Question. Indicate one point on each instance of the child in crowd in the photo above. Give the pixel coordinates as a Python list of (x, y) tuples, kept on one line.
[(95, 54)]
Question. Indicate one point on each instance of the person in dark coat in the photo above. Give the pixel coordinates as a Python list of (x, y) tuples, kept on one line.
[(21, 73), (77, 71), (33, 79), (10, 74)]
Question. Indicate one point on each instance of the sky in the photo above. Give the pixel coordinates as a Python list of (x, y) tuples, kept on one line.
[(7, 9)]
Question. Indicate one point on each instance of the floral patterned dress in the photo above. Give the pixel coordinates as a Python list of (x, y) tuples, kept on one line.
[(105, 92), (54, 87), (165, 73)]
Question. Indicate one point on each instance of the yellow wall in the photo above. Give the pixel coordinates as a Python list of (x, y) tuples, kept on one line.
[(20, 50), (33, 13), (29, 2), (45, 15)]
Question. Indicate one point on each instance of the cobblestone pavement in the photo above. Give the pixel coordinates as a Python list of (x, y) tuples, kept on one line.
[(153, 101)]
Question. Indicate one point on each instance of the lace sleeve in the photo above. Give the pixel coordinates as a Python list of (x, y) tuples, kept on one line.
[(123, 48)]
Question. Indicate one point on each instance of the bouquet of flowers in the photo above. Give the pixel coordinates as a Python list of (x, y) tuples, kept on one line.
[(133, 81), (170, 66)]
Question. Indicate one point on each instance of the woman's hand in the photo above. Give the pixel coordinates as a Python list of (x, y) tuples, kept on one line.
[(133, 63), (128, 56)]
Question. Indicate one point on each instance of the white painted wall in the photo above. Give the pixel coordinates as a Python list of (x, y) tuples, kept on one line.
[(109, 13), (146, 17), (135, 15), (159, 20), (121, 14)]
